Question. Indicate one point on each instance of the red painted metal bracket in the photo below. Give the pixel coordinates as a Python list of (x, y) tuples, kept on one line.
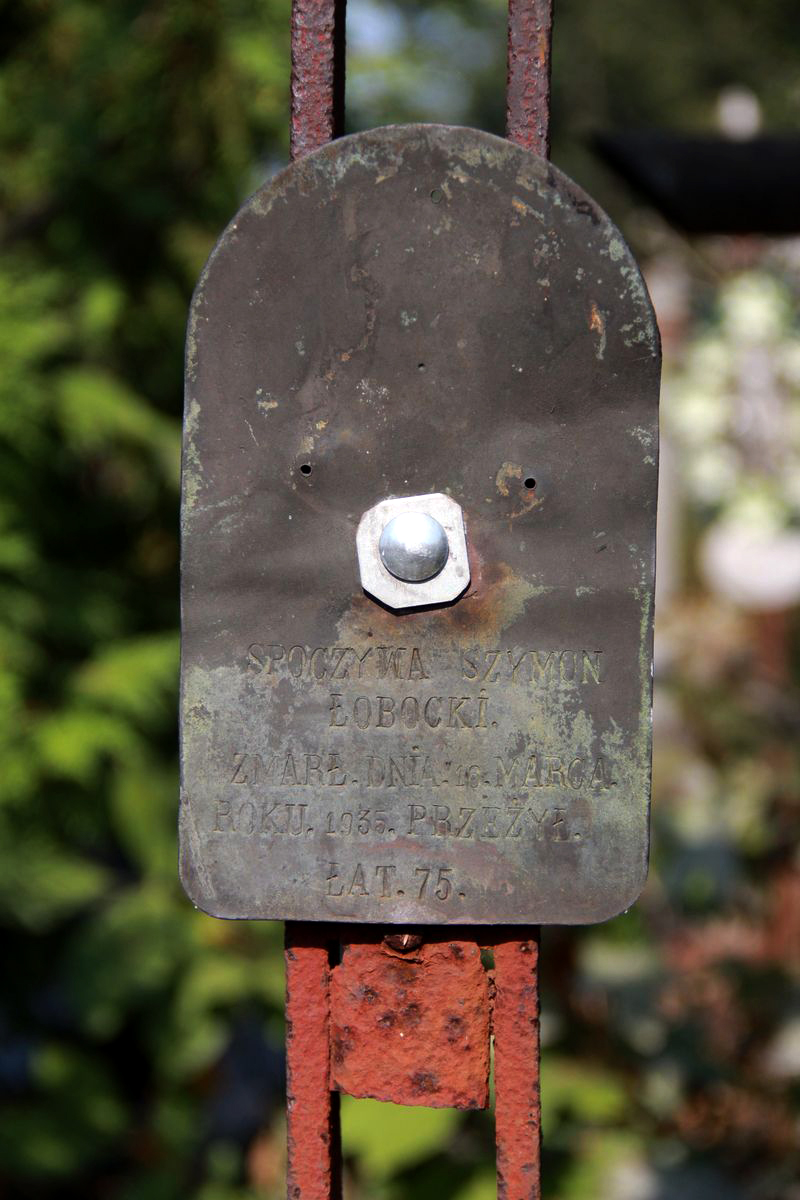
[(407, 1016)]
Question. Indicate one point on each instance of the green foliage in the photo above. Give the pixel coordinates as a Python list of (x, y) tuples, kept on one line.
[(387, 1137), (129, 134)]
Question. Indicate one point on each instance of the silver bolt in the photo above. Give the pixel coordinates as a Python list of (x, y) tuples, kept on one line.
[(413, 547)]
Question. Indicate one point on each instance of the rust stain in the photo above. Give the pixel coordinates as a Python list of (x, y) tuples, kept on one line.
[(412, 1031), (496, 597), (510, 484), (516, 1067), (317, 74), (311, 1118), (507, 472), (597, 324), (530, 25)]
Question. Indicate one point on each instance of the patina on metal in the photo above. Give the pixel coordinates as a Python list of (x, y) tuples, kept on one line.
[(406, 311)]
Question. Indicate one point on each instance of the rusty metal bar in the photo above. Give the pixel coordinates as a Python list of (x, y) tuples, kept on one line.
[(518, 1126), (312, 1110), (515, 1021), (318, 45), (530, 29)]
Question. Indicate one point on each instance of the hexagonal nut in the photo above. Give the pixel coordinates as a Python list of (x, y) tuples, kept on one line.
[(395, 593)]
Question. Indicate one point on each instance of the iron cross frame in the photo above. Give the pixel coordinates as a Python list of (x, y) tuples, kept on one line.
[(327, 1051)]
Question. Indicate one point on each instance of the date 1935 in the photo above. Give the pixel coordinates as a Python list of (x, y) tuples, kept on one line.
[(419, 883)]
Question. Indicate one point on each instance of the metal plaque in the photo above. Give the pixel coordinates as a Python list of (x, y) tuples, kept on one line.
[(418, 312)]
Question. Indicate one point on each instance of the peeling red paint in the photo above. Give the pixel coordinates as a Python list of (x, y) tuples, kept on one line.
[(516, 1067), (530, 24), (412, 1028)]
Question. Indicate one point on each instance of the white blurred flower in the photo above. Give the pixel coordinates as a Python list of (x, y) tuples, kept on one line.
[(695, 812), (696, 413), (758, 570), (757, 509), (712, 473), (754, 308), (708, 362), (782, 1055)]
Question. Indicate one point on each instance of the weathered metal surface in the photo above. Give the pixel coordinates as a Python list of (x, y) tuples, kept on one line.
[(414, 310), (411, 1026), (311, 1109), (530, 26), (314, 1158), (318, 33), (515, 1023)]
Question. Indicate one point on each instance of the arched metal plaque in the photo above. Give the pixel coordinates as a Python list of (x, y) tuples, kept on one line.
[(418, 311)]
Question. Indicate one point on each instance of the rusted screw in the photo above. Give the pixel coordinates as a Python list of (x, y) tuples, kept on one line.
[(403, 943)]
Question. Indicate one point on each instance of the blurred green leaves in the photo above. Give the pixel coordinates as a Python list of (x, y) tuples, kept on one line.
[(387, 1137), (129, 133)]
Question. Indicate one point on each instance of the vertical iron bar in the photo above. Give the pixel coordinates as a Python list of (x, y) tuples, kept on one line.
[(517, 1102), (530, 30), (312, 1110), (318, 68), (518, 1113)]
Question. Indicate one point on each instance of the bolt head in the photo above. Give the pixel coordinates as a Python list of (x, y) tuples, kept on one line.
[(413, 546), (412, 551), (402, 943)]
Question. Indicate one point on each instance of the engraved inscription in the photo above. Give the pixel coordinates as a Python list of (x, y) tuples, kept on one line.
[(489, 823), (481, 822), (535, 770), (387, 881), (362, 821), (249, 817), (412, 712), (533, 666), (550, 770), (392, 794), (289, 770), (322, 663)]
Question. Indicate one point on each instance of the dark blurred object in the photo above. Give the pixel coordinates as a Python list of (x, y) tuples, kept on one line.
[(711, 184)]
